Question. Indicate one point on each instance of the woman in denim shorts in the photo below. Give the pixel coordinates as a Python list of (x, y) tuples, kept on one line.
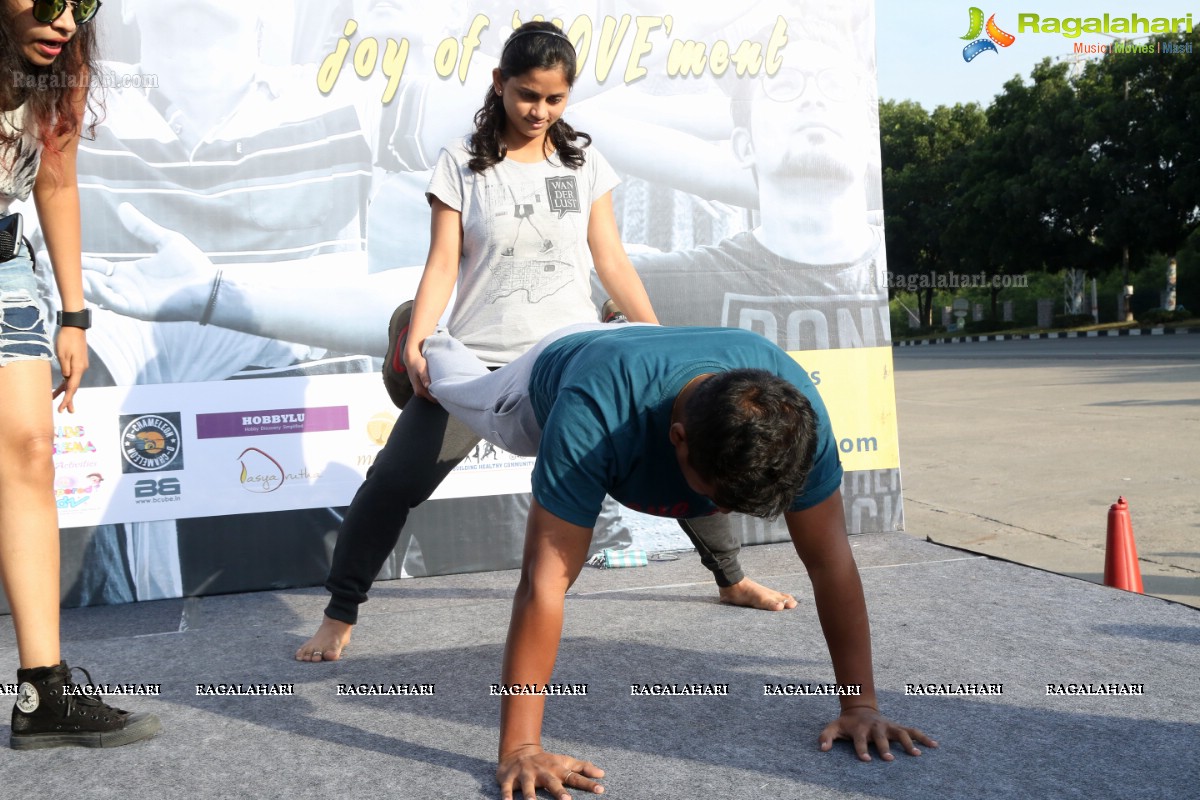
[(24, 334), (47, 52)]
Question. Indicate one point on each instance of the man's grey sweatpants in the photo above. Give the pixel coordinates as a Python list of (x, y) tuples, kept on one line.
[(493, 403)]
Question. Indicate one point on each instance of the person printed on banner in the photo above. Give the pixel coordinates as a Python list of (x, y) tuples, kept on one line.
[(200, 176), (231, 195), (811, 272)]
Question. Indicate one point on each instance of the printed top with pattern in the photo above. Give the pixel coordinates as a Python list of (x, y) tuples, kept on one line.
[(526, 266), (18, 164)]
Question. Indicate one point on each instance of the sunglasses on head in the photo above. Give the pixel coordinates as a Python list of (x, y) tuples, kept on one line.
[(46, 11)]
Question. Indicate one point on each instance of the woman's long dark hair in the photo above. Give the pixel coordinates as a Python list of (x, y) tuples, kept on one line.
[(50, 93), (522, 52)]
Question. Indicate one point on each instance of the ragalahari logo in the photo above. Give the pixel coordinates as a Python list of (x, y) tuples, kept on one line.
[(995, 36)]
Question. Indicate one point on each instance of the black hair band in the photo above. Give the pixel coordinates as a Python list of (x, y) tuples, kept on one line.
[(519, 34)]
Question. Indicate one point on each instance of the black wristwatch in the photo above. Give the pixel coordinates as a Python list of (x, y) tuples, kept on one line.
[(74, 319)]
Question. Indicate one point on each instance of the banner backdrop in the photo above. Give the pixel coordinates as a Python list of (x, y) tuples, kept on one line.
[(253, 206)]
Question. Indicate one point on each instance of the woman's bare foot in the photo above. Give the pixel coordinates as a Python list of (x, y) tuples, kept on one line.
[(754, 595), (327, 643)]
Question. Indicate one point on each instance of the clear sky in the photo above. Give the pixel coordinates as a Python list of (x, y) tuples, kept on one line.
[(920, 50)]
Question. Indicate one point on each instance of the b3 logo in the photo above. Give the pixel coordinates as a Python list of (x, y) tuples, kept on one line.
[(163, 487)]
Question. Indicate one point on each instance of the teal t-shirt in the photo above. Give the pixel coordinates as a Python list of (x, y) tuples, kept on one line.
[(603, 400)]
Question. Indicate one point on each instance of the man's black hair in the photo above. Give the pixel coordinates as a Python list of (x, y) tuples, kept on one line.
[(752, 436)]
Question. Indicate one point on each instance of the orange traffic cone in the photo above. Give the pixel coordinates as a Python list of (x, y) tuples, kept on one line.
[(1120, 556)]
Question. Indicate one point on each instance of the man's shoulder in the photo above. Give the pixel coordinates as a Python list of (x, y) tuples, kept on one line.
[(610, 344), (643, 340)]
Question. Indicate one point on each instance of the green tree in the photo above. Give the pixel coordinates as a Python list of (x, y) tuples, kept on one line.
[(922, 161), (1023, 206), (1082, 172), (1140, 114)]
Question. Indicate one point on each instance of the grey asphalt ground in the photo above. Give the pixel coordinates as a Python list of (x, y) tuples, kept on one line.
[(939, 616), (1017, 450)]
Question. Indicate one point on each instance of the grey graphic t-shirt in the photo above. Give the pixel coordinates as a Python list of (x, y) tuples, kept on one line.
[(526, 266)]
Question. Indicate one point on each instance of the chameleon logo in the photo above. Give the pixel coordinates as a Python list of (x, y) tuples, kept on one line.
[(995, 36)]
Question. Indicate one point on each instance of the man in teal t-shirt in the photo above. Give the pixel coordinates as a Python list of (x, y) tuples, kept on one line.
[(604, 400), (676, 422)]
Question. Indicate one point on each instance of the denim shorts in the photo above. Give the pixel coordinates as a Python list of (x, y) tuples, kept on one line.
[(24, 334)]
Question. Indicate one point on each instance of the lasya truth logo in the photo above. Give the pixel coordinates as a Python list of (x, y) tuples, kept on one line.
[(982, 44)]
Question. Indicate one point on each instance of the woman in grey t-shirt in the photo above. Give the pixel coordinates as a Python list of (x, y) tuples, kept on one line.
[(521, 214)]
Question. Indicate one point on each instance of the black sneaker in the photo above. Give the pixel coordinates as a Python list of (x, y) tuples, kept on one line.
[(395, 373), (610, 313), (51, 711)]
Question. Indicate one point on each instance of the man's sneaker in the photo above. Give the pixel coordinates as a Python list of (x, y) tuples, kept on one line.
[(395, 372), (610, 313), (51, 711)]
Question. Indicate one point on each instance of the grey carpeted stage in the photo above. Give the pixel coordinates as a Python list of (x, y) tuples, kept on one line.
[(939, 616)]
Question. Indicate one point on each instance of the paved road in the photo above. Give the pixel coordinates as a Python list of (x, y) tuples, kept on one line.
[(1017, 449)]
